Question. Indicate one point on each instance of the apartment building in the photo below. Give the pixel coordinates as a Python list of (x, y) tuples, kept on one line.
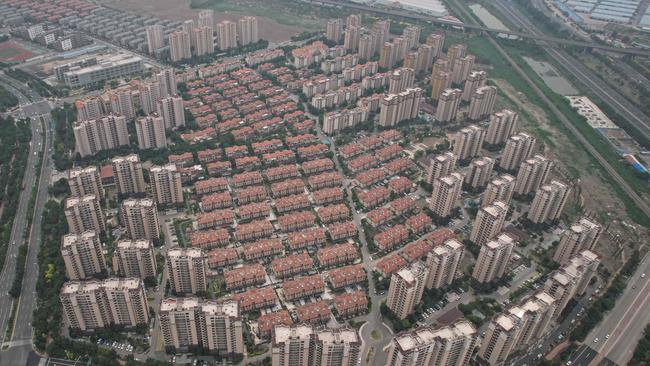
[(519, 147), (135, 258), (412, 35), (190, 323), (155, 38), (534, 315), (149, 93), (480, 170), (400, 80), (83, 181), (441, 166), (493, 259), (582, 235), (166, 184), (180, 46), (121, 102), (128, 173), (436, 40), (367, 46), (93, 305), (167, 81), (475, 80), (84, 214), (572, 278), (441, 82), (204, 40), (226, 35), (334, 30), (482, 102), (468, 142), (247, 30), (105, 133), (500, 339), (406, 288), (351, 37), (301, 345), (187, 269), (150, 131), (532, 174), (448, 103), (488, 223), (500, 189), (451, 345), (549, 202), (446, 191), (503, 124), (89, 108), (399, 107), (82, 255), (171, 110), (461, 68), (443, 262)]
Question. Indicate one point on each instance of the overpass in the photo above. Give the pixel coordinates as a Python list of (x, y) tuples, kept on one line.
[(453, 23)]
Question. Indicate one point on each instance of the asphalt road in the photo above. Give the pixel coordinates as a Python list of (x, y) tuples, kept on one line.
[(20, 344), (626, 322), (19, 225), (583, 356)]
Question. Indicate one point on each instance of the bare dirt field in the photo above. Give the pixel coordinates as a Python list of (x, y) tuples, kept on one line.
[(270, 29)]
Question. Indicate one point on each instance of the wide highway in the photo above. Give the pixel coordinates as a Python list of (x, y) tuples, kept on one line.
[(19, 342)]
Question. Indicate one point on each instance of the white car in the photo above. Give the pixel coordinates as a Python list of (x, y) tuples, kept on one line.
[(596, 340)]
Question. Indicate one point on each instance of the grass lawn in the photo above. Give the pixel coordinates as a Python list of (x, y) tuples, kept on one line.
[(375, 335)]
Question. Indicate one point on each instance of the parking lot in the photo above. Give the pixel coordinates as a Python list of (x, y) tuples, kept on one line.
[(117, 346)]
